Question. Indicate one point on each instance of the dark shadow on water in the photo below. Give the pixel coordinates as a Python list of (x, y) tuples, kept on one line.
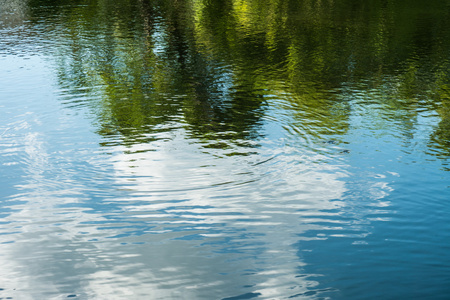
[(244, 296)]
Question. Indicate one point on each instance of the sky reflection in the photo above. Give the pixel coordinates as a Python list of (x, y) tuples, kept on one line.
[(223, 150)]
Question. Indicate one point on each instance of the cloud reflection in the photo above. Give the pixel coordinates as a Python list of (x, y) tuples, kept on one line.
[(168, 219), (245, 215)]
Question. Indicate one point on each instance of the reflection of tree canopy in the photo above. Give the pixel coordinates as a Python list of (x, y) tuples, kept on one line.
[(211, 63)]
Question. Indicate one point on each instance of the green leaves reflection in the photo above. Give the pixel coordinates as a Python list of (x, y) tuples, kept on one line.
[(215, 66)]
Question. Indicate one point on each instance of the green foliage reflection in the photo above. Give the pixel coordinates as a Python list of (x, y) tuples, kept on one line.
[(213, 66)]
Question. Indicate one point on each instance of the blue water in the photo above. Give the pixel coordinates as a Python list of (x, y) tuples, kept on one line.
[(224, 150)]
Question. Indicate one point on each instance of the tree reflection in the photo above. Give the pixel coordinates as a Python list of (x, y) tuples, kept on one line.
[(209, 65)]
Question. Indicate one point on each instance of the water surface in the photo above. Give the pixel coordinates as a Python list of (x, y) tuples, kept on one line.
[(276, 149)]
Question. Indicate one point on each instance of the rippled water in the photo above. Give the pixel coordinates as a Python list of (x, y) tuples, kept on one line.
[(217, 149)]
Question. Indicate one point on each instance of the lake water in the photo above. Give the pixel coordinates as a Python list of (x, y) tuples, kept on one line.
[(224, 149)]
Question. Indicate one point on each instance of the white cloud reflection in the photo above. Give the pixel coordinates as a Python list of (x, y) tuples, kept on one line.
[(172, 221), (245, 214)]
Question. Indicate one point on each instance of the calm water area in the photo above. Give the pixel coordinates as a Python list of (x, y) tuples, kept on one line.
[(224, 149)]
